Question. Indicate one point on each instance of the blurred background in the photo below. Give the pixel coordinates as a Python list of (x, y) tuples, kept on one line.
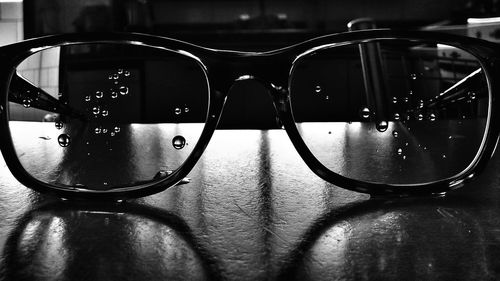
[(240, 25)]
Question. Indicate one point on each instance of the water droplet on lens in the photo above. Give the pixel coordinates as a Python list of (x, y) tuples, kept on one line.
[(396, 116), (115, 76), (96, 110), (410, 93), (114, 95), (126, 73), (178, 142), (327, 97), (420, 117), (59, 125), (97, 130), (432, 117), (444, 156), (105, 112), (64, 140), (365, 113), (395, 134), (186, 109), (177, 111), (413, 76), (120, 71), (123, 90), (317, 89), (400, 151), (472, 95), (99, 94), (382, 126), (110, 77), (104, 130), (87, 98), (406, 100), (420, 103), (27, 102), (394, 100), (112, 134), (117, 129)]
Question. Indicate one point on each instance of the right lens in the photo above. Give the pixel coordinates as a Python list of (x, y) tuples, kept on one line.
[(102, 116), (391, 111)]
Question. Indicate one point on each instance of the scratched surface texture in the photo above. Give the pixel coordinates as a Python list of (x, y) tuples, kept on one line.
[(252, 211)]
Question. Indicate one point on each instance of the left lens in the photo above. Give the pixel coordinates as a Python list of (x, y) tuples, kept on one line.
[(391, 111), (106, 116)]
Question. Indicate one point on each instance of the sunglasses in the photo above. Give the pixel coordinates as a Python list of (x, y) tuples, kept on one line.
[(118, 116)]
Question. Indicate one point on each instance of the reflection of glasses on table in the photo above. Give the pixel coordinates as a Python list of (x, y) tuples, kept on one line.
[(126, 115)]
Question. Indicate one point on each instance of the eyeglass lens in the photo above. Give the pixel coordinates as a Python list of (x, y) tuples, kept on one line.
[(103, 116), (392, 111)]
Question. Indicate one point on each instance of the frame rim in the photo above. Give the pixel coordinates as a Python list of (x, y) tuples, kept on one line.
[(487, 54)]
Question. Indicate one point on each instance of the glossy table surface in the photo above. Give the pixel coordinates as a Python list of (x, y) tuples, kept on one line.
[(252, 211)]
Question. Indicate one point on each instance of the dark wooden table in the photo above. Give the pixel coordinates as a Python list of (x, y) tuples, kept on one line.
[(252, 211)]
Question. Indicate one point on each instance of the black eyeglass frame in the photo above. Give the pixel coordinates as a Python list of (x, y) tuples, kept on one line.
[(222, 68)]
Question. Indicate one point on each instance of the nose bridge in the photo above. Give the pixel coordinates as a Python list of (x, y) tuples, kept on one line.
[(250, 104), (267, 84)]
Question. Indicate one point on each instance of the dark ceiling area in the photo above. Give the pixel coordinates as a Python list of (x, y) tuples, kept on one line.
[(242, 24)]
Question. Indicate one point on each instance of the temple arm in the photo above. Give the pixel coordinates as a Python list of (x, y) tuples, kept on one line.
[(23, 92), (459, 90)]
